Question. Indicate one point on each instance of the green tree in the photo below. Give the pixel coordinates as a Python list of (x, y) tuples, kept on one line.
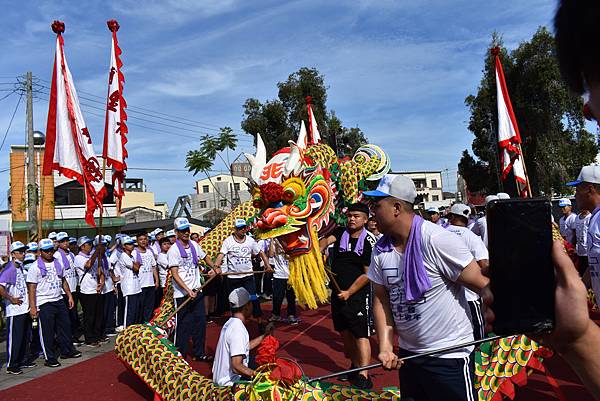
[(278, 120), (555, 142)]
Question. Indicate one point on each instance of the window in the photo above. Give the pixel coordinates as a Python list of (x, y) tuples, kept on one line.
[(223, 203), (420, 183), (426, 197), (205, 189), (218, 178), (435, 198), (236, 186), (434, 184), (202, 204)]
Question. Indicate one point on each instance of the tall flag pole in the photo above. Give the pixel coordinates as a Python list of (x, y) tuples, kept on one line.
[(313, 131), (115, 127), (69, 147), (509, 138)]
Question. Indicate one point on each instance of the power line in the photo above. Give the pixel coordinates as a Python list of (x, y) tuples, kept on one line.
[(11, 120)]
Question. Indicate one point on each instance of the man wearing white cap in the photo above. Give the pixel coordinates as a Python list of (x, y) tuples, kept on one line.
[(566, 223), (459, 217), (587, 195), (52, 236), (158, 233), (239, 248), (434, 215), (582, 223), (480, 227), (171, 236), (418, 270), (128, 269), (233, 349), (148, 275), (13, 289), (184, 257), (66, 257), (32, 247), (44, 282)]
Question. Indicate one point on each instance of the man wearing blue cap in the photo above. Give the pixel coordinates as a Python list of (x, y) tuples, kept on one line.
[(418, 271), (66, 257), (45, 279), (566, 223), (128, 269), (13, 289), (32, 247)]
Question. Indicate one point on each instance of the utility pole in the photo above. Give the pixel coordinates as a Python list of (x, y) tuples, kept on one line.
[(32, 190)]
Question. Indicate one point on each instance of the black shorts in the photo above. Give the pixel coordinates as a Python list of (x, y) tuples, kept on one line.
[(583, 265), (477, 319), (213, 287), (352, 315)]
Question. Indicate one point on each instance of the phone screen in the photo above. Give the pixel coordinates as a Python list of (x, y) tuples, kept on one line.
[(521, 268)]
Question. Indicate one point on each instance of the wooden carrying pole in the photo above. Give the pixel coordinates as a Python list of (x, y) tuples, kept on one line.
[(184, 303), (529, 193)]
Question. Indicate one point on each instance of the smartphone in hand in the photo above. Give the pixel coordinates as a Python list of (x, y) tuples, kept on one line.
[(521, 268)]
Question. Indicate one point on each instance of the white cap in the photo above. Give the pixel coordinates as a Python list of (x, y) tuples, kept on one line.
[(503, 195), (395, 185), (460, 209), (83, 240), (19, 246), (490, 198), (52, 235), (157, 231), (433, 210), (564, 202), (181, 223), (589, 174), (240, 297), (29, 258), (240, 223), (61, 236), (170, 233), (32, 246), (72, 240), (46, 244), (126, 239)]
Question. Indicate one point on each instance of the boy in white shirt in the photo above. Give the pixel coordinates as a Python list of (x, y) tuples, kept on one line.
[(239, 249), (233, 349), (148, 276), (162, 265), (44, 282), (184, 257), (281, 289), (130, 283), (13, 289), (67, 258)]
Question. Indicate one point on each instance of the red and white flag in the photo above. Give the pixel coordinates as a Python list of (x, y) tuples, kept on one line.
[(115, 128), (509, 138), (313, 130), (69, 147)]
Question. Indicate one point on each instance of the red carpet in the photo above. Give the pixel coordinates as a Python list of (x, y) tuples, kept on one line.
[(313, 343)]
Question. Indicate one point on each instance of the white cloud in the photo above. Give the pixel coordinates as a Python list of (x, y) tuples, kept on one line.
[(191, 82), (175, 11)]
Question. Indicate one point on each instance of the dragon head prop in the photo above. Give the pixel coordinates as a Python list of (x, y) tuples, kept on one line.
[(300, 193)]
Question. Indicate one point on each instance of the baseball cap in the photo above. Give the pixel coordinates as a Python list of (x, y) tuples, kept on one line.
[(158, 231), (171, 233), (181, 223), (395, 185), (589, 174), (83, 240), (240, 223), (503, 195), (97, 240), (72, 240), (564, 202), (62, 236), (433, 210), (32, 246), (29, 258), (126, 239), (460, 209), (240, 297), (490, 198), (19, 246), (46, 244), (52, 235)]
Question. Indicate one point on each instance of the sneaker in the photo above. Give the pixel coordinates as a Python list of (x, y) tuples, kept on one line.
[(293, 320), (104, 340), (52, 363), (14, 371), (75, 354), (28, 364), (363, 383), (348, 377), (111, 334), (275, 318), (119, 329), (77, 342), (92, 345)]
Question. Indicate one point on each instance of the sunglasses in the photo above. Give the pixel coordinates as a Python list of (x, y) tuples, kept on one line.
[(47, 250)]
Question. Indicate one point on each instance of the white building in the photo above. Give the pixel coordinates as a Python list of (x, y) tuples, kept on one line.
[(219, 193), (429, 186)]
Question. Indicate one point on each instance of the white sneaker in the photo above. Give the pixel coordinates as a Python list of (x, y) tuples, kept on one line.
[(119, 329)]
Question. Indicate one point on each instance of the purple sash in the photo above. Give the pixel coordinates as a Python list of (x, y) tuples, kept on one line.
[(360, 243), (184, 254), (8, 275), (65, 261), (416, 279), (138, 256), (42, 266)]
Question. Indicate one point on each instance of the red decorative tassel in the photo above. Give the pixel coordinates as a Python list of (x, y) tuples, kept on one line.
[(58, 27), (113, 25), (308, 99), (495, 51)]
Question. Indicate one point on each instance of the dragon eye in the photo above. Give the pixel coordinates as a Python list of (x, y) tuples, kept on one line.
[(289, 195)]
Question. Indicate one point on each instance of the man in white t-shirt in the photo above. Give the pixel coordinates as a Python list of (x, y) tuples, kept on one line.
[(184, 263), (13, 289), (281, 289), (162, 265), (91, 281), (44, 283), (418, 270), (158, 234), (459, 217), (582, 223), (67, 258), (233, 349), (148, 276), (239, 248), (480, 226), (566, 223), (171, 236), (128, 269)]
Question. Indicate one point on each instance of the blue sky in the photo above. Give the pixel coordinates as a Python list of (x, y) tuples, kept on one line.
[(399, 70)]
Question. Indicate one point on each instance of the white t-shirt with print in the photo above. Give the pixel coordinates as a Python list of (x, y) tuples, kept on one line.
[(188, 271), (442, 317), (162, 264), (49, 287), (239, 255), (581, 230), (70, 271), (147, 267), (18, 290), (234, 340), (477, 248), (279, 263), (567, 226), (130, 281), (480, 229), (88, 281), (109, 285)]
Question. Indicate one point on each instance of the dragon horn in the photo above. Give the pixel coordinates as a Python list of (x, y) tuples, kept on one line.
[(258, 161)]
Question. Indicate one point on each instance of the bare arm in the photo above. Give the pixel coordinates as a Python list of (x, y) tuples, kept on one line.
[(265, 261), (484, 265), (181, 283), (31, 288), (359, 283), (384, 325), (237, 364), (219, 260), (255, 342), (325, 242), (472, 277), (67, 290), (4, 294)]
